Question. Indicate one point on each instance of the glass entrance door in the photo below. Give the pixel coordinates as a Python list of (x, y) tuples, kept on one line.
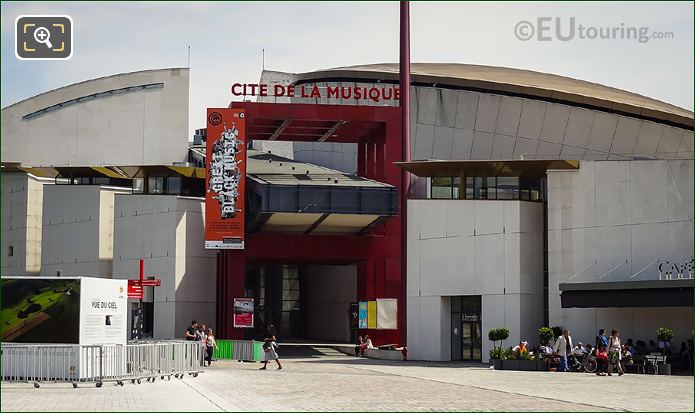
[(470, 340), (466, 326)]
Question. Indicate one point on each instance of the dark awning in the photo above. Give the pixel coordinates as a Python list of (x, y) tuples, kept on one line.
[(651, 293), (526, 168)]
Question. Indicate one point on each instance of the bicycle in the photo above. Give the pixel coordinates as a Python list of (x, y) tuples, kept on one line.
[(588, 363)]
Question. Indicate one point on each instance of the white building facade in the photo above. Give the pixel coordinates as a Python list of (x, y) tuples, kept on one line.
[(486, 251), (620, 222)]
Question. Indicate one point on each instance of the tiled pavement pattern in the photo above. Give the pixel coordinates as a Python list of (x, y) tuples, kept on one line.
[(334, 382)]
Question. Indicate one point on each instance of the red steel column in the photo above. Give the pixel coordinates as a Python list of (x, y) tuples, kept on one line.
[(362, 159), (404, 86), (371, 160)]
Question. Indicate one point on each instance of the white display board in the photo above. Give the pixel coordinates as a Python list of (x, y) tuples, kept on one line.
[(103, 311), (386, 313)]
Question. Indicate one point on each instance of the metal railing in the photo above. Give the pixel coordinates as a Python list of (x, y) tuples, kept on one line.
[(97, 364)]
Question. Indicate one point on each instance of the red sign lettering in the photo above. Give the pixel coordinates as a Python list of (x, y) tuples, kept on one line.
[(374, 93)]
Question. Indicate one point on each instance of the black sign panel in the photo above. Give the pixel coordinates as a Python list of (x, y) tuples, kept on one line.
[(138, 324)]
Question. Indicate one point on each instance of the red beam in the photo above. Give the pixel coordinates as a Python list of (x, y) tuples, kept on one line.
[(404, 85)]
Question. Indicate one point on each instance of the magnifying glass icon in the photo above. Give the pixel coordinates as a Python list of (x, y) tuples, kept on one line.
[(42, 35)]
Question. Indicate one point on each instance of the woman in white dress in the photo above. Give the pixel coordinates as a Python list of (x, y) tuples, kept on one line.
[(270, 352)]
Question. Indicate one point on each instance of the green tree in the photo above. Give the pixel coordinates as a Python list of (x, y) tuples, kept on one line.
[(546, 334), (498, 334)]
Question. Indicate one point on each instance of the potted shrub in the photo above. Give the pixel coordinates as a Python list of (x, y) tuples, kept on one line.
[(546, 335), (509, 361), (664, 335), (496, 358), (527, 362), (497, 334)]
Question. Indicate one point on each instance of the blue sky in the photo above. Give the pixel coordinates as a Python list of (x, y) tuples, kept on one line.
[(226, 41)]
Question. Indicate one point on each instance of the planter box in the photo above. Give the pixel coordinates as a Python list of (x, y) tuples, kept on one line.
[(510, 364), (527, 365), (497, 363), (663, 369), (541, 366)]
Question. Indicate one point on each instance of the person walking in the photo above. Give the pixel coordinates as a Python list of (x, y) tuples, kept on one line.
[(191, 331), (270, 353), (210, 346), (601, 360), (563, 347), (601, 339), (200, 333), (270, 347), (200, 336), (614, 353)]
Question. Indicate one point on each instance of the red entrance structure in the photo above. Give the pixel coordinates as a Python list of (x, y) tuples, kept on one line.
[(377, 254)]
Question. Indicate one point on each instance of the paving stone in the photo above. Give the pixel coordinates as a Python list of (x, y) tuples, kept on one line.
[(340, 383)]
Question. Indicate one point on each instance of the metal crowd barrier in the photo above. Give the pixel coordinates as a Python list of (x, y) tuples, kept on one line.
[(243, 350), (97, 364)]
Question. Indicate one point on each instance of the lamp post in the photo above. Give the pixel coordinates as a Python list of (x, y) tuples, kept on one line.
[(404, 85)]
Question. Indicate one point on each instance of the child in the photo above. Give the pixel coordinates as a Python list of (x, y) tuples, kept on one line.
[(210, 346), (602, 360)]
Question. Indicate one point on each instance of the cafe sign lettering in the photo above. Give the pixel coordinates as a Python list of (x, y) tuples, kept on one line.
[(672, 270), (374, 93)]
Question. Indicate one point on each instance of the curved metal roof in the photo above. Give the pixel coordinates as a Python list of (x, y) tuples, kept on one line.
[(519, 82), (86, 88)]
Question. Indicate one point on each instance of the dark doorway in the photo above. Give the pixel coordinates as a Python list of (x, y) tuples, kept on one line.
[(466, 328), (303, 302)]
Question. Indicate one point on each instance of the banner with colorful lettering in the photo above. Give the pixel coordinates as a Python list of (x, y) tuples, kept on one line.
[(226, 179)]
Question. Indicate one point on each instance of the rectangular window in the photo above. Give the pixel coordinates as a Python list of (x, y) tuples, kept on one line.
[(174, 185), (535, 189), (10, 251), (491, 187), (456, 188), (524, 192), (441, 188), (469, 187), (138, 185), (101, 180), (155, 185), (507, 187)]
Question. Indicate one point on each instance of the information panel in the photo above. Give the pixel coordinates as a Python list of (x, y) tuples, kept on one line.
[(226, 179), (243, 312)]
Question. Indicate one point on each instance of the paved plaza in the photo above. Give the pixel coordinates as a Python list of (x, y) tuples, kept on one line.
[(327, 380)]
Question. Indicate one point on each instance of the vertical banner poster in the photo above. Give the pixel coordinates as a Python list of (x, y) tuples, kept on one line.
[(363, 314), (243, 312), (226, 179), (371, 314)]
